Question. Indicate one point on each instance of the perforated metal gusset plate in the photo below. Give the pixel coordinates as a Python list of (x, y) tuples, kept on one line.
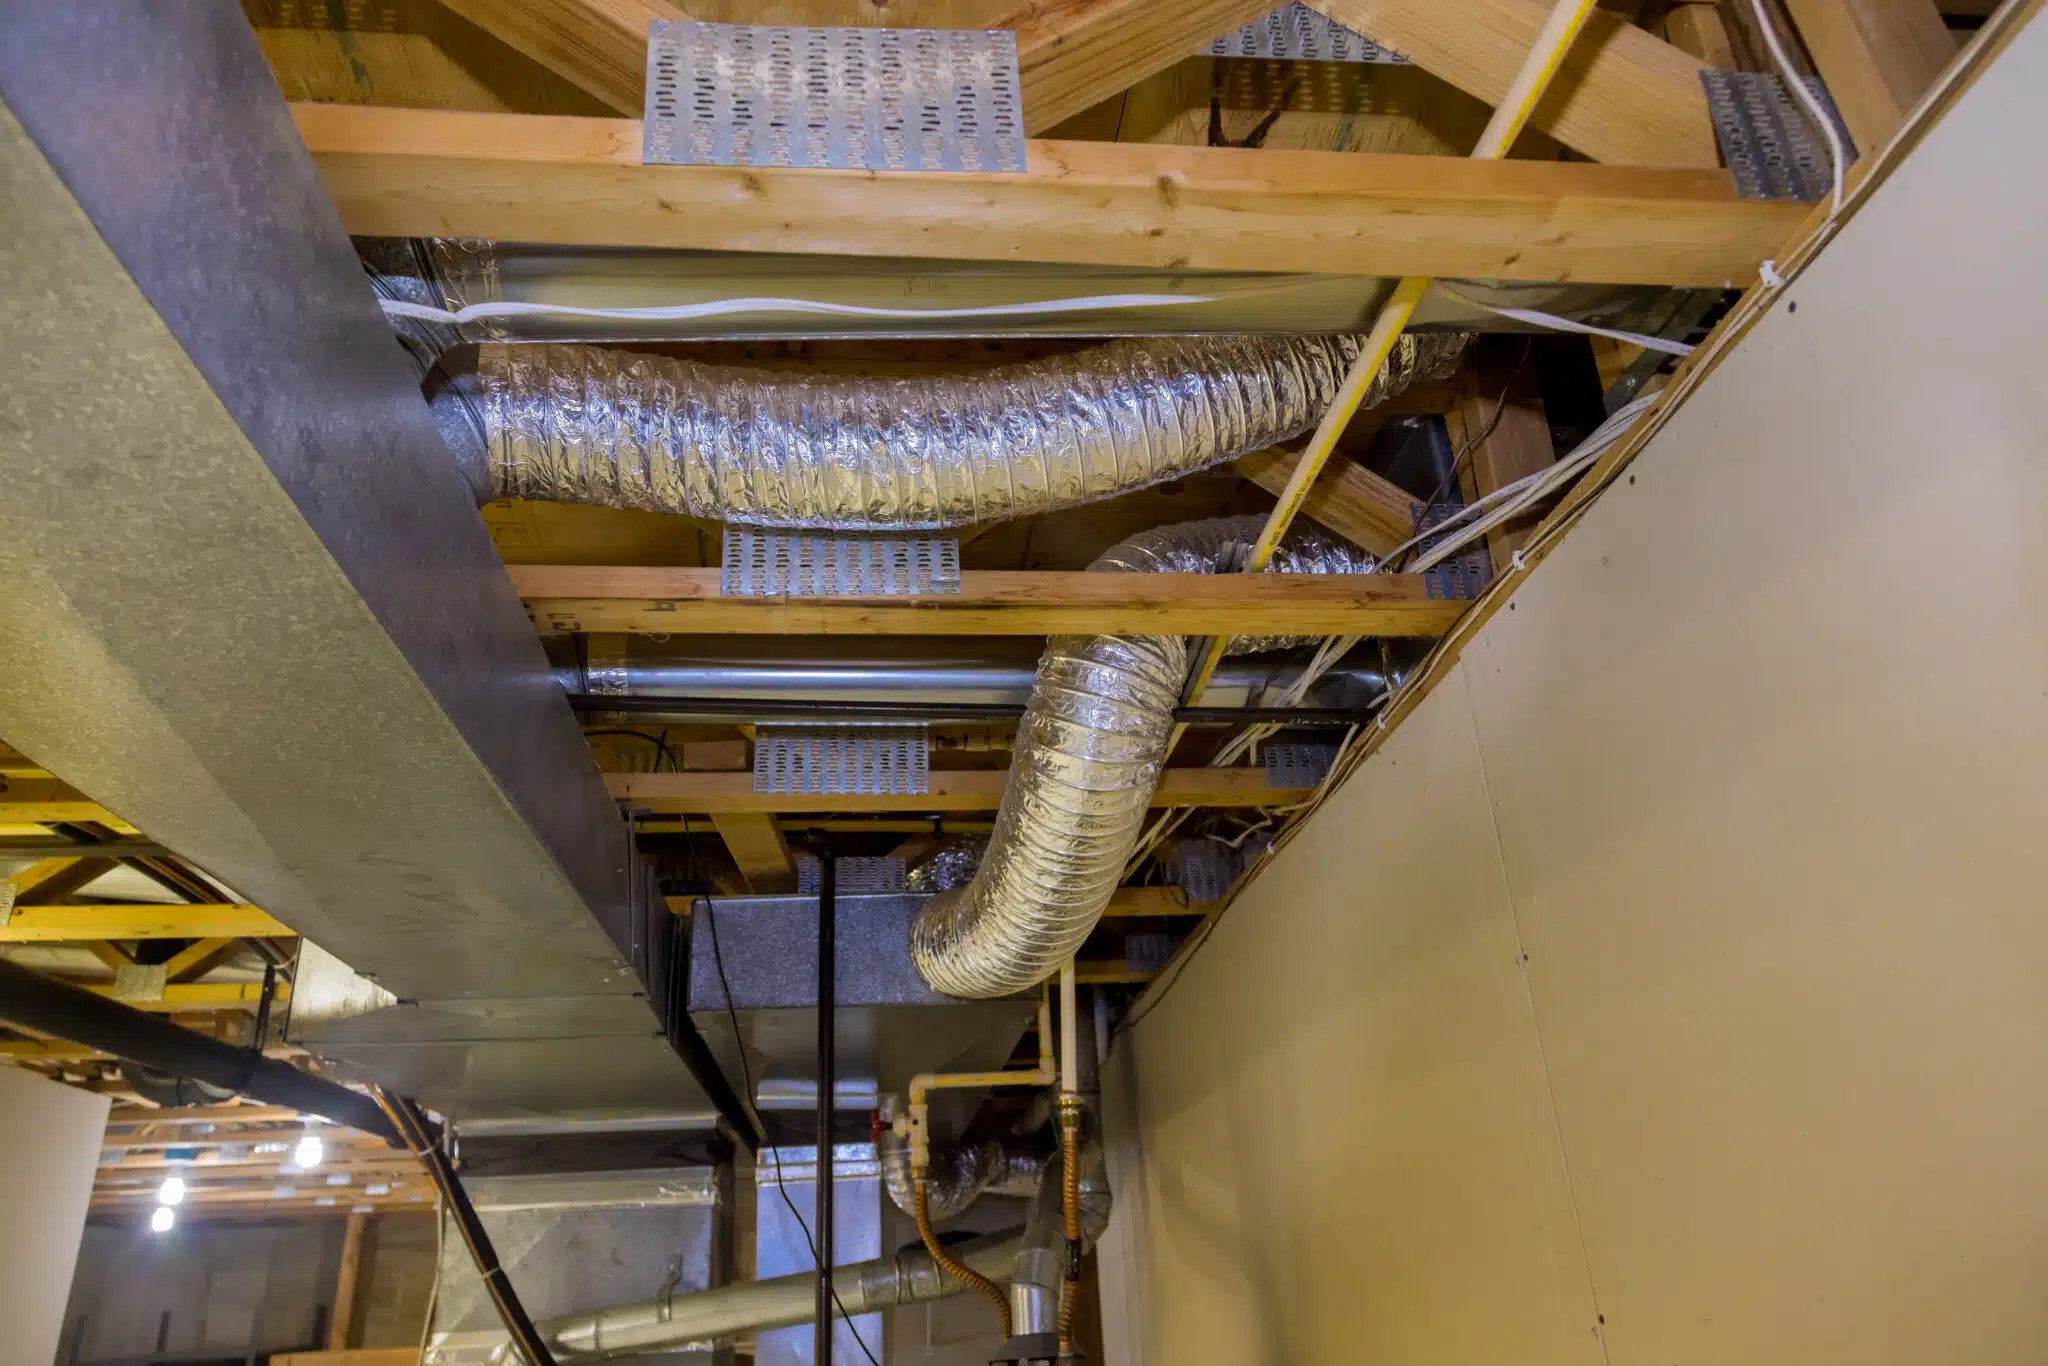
[(1772, 151), (883, 99), (857, 875), (812, 565), (841, 760), (1203, 868), (1149, 952), (1461, 576), (1298, 765), (1294, 32)]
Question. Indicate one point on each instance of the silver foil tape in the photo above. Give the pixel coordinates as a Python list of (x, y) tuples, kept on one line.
[(586, 424)]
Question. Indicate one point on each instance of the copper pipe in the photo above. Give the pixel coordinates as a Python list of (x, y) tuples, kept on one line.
[(965, 1274)]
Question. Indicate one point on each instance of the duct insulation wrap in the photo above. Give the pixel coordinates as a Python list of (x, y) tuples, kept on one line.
[(588, 424), (1087, 758)]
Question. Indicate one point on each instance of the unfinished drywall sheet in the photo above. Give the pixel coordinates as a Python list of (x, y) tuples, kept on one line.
[(1768, 746), (49, 1148), (1348, 1149)]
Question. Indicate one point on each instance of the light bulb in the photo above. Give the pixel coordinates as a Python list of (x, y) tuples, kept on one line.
[(172, 1191), (161, 1221), (308, 1153)]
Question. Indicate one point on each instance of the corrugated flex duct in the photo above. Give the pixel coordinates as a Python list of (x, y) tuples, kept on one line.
[(590, 424), (1087, 758)]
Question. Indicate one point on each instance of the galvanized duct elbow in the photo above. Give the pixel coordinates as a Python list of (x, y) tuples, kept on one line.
[(587, 424), (1086, 759)]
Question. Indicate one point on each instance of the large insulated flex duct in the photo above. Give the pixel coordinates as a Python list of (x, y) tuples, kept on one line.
[(1087, 757), (588, 424)]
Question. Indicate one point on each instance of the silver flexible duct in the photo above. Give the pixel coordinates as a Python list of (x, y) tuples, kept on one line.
[(961, 1173), (1087, 757), (586, 424)]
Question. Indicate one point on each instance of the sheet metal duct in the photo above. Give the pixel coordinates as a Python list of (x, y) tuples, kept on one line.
[(247, 604)]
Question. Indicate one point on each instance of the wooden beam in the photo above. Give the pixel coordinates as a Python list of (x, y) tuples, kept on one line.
[(532, 178), (1073, 54), (756, 845), (1145, 902), (599, 46), (1621, 96), (1110, 973), (196, 958), (59, 924), (15, 764), (198, 996), (49, 1050), (1696, 29), (361, 1356), (1877, 56), (658, 600), (45, 801), (951, 790), (1348, 498), (1501, 431), (54, 877)]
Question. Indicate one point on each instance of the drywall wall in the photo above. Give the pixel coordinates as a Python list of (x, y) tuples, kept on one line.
[(49, 1146), (1673, 988)]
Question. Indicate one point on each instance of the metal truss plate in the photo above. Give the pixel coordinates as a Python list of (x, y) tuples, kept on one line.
[(856, 876), (1461, 576), (1203, 868), (1298, 765), (883, 99), (815, 565), (1771, 149), (1294, 32), (842, 760), (1149, 952)]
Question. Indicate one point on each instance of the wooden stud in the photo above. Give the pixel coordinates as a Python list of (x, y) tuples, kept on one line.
[(951, 790), (58, 924), (1877, 57), (340, 1325), (1073, 54), (756, 845), (1348, 498), (1622, 95), (1501, 429), (530, 178), (992, 602)]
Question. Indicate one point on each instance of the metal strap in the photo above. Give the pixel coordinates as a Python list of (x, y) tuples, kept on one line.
[(818, 565), (883, 99)]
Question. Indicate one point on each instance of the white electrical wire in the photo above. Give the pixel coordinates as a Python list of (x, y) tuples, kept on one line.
[(1838, 156), (1557, 324), (718, 308)]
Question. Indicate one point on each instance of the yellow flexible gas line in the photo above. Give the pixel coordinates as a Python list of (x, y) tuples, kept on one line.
[(1070, 1156), (1510, 116)]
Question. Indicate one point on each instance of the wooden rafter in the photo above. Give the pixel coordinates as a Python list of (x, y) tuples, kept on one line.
[(512, 177), (991, 602), (955, 790), (1622, 96), (1072, 54), (1877, 57), (1348, 498), (599, 46)]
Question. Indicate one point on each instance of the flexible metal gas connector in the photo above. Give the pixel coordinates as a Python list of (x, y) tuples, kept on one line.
[(1070, 1205), (967, 1275)]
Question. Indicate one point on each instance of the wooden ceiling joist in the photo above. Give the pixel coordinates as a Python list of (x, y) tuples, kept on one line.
[(534, 178), (58, 924), (1072, 54), (1348, 498), (951, 790), (1622, 96), (650, 600), (599, 46)]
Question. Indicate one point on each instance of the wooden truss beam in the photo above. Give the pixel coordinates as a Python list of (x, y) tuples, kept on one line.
[(1072, 54), (646, 600), (1877, 56), (756, 845), (195, 996), (535, 178), (598, 46), (59, 924), (45, 801), (1348, 498), (1621, 96), (954, 790)]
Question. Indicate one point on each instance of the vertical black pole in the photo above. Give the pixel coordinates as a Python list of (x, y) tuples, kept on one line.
[(827, 1008)]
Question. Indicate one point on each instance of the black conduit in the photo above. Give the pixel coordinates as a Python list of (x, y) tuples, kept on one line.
[(48, 1006), (828, 916)]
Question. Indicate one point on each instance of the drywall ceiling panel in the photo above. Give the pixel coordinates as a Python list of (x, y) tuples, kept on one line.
[(1349, 1153), (1767, 740)]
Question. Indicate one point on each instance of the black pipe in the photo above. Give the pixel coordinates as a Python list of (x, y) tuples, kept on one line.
[(48, 1006), (797, 709), (828, 999)]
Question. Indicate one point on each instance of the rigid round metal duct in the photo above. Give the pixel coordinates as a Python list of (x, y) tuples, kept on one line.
[(588, 424), (1087, 758)]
